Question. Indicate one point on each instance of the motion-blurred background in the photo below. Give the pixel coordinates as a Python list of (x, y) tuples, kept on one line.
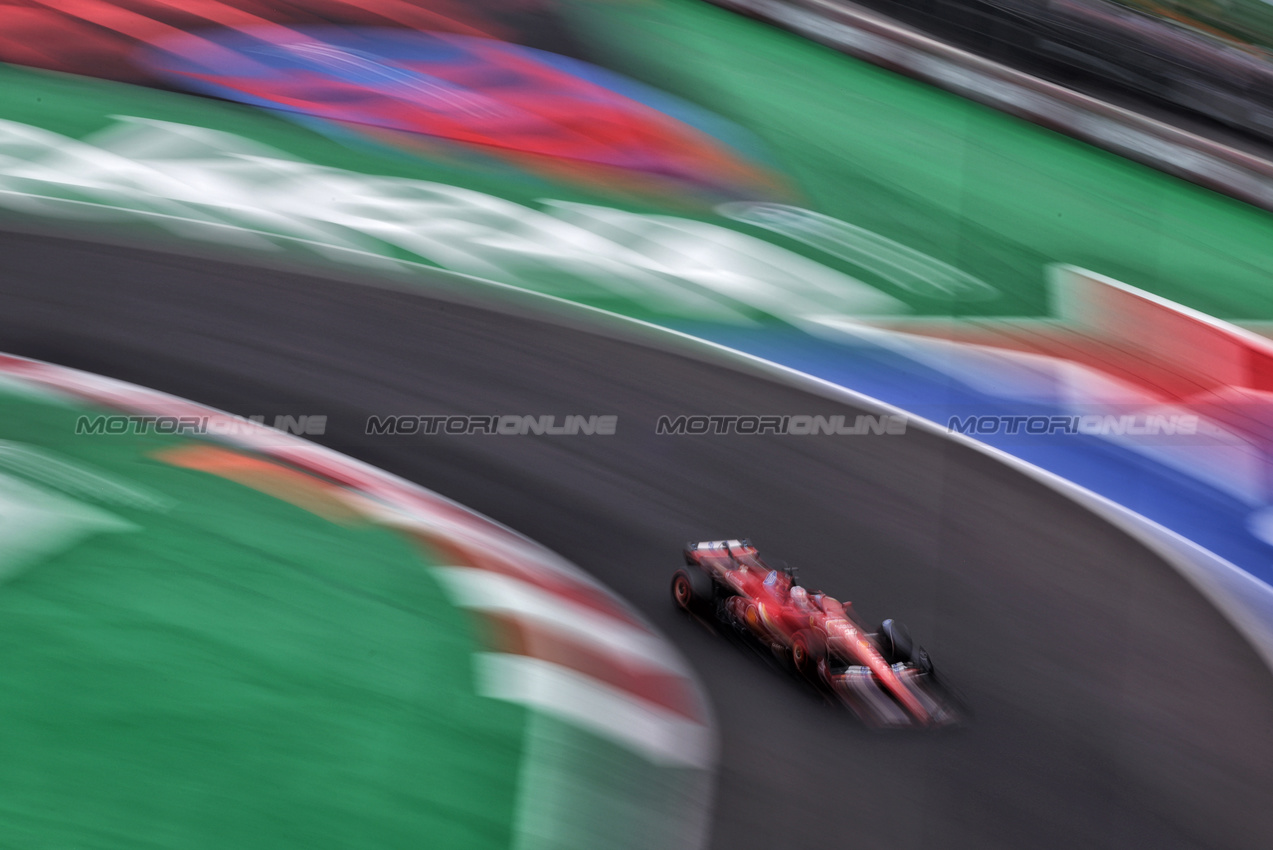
[(1040, 232)]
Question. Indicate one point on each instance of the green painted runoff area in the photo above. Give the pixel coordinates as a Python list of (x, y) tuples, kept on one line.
[(214, 667)]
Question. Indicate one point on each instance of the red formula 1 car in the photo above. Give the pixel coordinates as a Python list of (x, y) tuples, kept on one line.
[(879, 673)]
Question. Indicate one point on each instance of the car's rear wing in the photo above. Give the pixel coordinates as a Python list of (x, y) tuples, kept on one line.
[(724, 545), (734, 553), (733, 549)]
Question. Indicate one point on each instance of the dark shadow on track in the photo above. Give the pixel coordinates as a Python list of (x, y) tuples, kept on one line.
[(1114, 706)]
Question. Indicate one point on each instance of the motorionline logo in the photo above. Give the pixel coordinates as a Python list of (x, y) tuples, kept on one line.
[(1093, 424), (217, 426), (789, 424), (505, 425)]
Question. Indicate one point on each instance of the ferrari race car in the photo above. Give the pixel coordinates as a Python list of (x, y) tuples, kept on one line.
[(880, 674)]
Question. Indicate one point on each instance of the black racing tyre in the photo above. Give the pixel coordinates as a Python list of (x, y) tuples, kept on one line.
[(693, 590), (895, 642), (805, 652), (923, 663)]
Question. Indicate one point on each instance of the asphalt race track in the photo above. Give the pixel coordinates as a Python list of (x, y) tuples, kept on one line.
[(1113, 706)]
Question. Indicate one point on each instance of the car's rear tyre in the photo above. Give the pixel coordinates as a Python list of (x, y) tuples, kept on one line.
[(804, 654), (692, 590)]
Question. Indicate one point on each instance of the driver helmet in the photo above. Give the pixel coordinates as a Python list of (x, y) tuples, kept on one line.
[(800, 596), (778, 582)]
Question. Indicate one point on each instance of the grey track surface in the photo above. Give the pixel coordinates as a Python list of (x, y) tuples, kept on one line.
[(1113, 706)]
